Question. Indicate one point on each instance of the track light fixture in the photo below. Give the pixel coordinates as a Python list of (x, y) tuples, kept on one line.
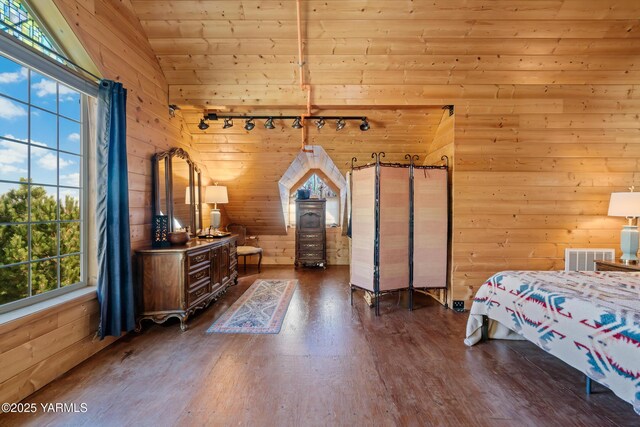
[(319, 121), (269, 123), (202, 125)]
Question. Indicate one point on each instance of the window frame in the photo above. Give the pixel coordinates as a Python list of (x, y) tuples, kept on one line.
[(29, 57)]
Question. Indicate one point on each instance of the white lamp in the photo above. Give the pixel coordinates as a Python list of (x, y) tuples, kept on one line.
[(627, 205), (216, 194)]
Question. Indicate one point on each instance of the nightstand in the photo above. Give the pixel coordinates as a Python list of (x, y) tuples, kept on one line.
[(617, 266)]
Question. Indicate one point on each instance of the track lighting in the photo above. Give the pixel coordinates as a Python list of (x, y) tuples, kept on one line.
[(269, 123), (202, 125), (298, 121)]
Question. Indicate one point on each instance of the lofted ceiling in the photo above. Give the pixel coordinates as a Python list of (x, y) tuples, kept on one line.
[(530, 80)]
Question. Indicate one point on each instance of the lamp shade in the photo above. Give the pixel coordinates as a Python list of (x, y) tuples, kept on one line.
[(218, 194), (625, 204)]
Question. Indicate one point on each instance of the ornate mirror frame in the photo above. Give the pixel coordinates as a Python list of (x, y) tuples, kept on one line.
[(195, 185)]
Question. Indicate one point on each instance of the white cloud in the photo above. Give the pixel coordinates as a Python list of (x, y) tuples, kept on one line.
[(15, 77), (72, 180), (11, 153), (48, 161), (64, 163), (74, 137), (48, 87), (10, 169), (10, 110)]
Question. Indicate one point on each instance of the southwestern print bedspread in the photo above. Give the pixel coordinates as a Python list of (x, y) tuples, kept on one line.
[(590, 320)]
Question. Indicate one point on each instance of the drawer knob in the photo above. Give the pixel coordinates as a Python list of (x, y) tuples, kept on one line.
[(200, 258)]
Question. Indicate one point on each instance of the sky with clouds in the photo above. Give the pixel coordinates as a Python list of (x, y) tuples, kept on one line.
[(55, 116)]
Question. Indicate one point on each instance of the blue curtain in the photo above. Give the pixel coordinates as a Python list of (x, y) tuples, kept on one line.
[(115, 280)]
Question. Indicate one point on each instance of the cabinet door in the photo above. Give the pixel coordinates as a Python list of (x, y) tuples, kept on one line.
[(224, 262), (215, 267), (310, 219)]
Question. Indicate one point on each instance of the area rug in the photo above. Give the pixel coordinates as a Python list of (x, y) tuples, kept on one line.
[(260, 310)]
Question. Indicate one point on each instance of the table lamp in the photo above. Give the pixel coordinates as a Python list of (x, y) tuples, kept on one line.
[(627, 205), (216, 194)]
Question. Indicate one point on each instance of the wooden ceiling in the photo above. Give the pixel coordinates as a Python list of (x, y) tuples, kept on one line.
[(224, 53)]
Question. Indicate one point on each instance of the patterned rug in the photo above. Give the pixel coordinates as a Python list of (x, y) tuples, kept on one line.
[(260, 310)]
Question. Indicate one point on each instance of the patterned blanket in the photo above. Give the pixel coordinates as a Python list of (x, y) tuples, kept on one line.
[(590, 320)]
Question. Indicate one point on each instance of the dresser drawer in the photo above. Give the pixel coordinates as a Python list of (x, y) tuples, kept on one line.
[(311, 246), (197, 276), (201, 291), (310, 255), (303, 235), (196, 258), (312, 205)]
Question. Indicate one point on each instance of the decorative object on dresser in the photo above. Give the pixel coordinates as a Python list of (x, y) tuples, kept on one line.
[(160, 231), (247, 245), (177, 281), (627, 204), (631, 266), (311, 235), (215, 194)]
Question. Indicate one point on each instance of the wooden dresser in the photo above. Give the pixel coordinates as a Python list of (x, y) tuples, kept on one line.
[(177, 281), (311, 235)]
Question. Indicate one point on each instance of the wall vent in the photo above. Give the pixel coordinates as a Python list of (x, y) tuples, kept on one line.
[(583, 259)]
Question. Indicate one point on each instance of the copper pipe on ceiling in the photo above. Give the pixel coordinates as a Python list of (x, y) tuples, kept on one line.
[(303, 85)]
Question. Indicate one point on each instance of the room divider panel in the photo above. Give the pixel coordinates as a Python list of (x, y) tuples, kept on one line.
[(399, 227)]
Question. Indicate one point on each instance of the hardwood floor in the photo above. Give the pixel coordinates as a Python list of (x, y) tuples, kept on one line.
[(331, 364)]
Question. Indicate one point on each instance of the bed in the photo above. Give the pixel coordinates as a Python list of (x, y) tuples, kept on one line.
[(589, 320)]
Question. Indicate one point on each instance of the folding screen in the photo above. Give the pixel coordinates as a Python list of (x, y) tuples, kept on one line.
[(363, 228), (399, 227), (430, 227)]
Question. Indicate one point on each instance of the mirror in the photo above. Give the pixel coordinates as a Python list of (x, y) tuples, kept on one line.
[(177, 193)]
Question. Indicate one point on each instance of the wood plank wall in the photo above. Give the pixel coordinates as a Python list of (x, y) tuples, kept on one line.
[(37, 349), (250, 164), (282, 249), (546, 96)]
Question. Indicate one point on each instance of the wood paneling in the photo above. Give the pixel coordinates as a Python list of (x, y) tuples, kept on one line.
[(46, 345), (36, 349), (546, 98), (250, 164)]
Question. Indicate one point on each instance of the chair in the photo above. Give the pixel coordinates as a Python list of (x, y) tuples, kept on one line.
[(246, 244)]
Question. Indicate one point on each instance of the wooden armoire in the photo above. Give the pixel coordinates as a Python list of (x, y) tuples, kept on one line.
[(311, 235)]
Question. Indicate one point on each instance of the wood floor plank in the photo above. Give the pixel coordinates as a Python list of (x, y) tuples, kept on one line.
[(331, 364)]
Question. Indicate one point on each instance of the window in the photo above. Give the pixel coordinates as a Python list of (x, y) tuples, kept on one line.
[(321, 190), (16, 20), (42, 172)]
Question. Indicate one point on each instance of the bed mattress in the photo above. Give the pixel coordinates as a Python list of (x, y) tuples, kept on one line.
[(590, 320)]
